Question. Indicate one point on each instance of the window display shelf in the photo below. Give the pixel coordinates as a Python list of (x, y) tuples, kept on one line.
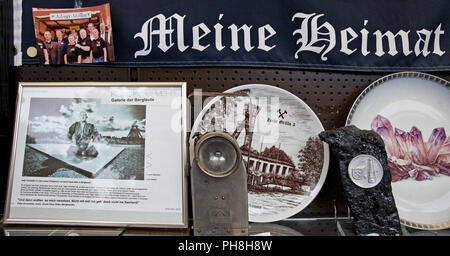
[(329, 94), (288, 227)]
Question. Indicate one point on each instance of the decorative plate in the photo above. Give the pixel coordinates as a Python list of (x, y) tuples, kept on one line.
[(278, 136), (410, 111)]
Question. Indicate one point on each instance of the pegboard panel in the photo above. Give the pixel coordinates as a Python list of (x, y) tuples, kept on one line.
[(329, 94), (37, 73)]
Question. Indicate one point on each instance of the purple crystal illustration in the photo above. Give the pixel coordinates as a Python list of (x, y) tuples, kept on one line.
[(409, 156)]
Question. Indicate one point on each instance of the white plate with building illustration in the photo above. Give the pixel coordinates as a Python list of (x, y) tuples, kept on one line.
[(287, 162), (410, 111)]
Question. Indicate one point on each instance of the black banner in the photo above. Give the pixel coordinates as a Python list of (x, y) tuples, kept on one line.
[(379, 35)]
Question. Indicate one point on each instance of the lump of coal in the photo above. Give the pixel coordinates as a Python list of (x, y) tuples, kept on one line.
[(373, 209)]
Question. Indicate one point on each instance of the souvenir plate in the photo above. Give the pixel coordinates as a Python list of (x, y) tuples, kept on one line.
[(410, 111), (287, 163)]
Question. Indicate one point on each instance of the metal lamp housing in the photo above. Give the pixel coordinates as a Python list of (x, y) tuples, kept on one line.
[(219, 187)]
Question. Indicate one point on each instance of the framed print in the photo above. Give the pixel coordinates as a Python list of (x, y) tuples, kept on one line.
[(102, 154)]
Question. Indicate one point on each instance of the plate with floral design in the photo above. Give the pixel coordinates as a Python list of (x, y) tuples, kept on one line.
[(410, 111)]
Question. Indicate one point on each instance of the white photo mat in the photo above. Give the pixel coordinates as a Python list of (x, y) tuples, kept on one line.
[(138, 181)]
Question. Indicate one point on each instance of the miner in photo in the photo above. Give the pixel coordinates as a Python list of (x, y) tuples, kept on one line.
[(84, 47), (50, 49), (81, 134), (98, 48), (61, 46), (70, 55)]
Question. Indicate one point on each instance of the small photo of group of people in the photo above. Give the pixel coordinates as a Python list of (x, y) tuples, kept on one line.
[(74, 36)]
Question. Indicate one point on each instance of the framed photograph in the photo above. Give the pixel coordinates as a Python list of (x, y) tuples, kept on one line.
[(74, 36), (102, 154)]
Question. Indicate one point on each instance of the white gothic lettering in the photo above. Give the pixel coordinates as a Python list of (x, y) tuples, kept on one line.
[(163, 28), (314, 34), (320, 38)]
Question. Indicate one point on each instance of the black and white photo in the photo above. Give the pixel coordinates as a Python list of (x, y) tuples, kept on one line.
[(83, 138)]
